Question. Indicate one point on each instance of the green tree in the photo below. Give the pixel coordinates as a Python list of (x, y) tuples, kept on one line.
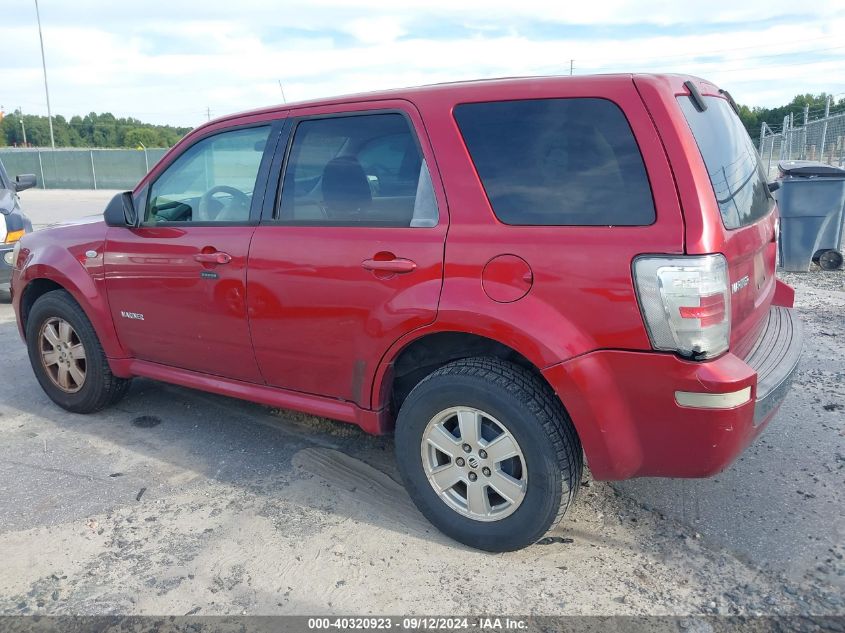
[(773, 117), (137, 136)]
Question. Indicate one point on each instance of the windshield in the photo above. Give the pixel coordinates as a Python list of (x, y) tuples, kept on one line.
[(732, 162)]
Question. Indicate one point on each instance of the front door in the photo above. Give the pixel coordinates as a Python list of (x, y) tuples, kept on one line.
[(176, 283), (352, 257)]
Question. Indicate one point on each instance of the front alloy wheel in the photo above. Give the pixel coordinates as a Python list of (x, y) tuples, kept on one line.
[(67, 357), (62, 355)]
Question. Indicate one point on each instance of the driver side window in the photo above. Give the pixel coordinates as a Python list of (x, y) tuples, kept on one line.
[(212, 181)]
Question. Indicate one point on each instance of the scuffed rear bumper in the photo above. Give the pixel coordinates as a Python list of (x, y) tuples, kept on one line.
[(624, 405), (775, 358)]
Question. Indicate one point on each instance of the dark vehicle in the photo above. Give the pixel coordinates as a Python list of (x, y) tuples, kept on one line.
[(512, 274), (13, 223)]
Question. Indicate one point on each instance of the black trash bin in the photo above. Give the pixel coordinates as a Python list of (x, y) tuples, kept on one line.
[(811, 199)]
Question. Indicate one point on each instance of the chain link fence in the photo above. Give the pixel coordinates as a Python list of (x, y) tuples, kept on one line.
[(821, 140), (81, 168)]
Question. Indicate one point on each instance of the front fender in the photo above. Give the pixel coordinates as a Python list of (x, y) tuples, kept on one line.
[(80, 275)]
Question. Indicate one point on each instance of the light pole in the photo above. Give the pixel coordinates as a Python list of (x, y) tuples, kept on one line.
[(23, 127), (44, 66), (146, 159)]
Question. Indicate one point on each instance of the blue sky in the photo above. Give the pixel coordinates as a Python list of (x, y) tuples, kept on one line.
[(168, 62)]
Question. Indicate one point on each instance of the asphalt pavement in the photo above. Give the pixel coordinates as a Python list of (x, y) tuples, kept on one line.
[(131, 508)]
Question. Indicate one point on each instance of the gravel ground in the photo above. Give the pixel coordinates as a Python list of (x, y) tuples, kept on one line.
[(180, 502)]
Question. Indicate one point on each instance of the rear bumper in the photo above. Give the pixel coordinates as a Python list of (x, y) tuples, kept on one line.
[(627, 412), (775, 358)]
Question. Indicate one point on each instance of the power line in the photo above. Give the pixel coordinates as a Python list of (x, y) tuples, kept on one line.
[(724, 50), (721, 61)]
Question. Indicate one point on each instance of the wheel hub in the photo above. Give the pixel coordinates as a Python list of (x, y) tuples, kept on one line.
[(63, 356), (460, 441)]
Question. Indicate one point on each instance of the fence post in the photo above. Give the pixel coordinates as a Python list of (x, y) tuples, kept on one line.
[(824, 127), (93, 171), (783, 139), (762, 135), (41, 169), (771, 151)]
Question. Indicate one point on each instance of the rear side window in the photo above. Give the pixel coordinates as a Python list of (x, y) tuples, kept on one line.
[(557, 162), (363, 170), (734, 167)]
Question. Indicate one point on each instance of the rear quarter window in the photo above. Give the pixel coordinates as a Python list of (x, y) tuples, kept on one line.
[(557, 162), (733, 165)]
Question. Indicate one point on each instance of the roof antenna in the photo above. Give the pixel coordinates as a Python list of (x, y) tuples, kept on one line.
[(283, 91)]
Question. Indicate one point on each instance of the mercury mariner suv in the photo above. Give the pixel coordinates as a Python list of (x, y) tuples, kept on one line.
[(511, 275)]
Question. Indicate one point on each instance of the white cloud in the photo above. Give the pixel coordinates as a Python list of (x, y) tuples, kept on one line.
[(167, 62)]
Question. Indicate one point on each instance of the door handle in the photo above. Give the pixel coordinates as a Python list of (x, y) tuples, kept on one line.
[(396, 265), (216, 257)]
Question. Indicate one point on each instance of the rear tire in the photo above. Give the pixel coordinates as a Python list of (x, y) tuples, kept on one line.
[(458, 488), (67, 357)]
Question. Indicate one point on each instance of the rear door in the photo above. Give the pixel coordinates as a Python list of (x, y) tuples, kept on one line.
[(350, 256)]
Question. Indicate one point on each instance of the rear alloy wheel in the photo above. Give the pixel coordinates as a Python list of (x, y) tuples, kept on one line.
[(488, 454), (474, 463), (67, 357)]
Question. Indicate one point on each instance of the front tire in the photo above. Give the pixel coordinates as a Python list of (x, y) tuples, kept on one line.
[(67, 357), (488, 453)]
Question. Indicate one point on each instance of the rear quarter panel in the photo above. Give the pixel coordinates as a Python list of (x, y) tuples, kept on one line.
[(582, 296)]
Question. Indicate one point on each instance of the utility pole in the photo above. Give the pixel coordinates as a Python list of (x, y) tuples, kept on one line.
[(44, 66), (208, 113), (571, 66), (283, 91), (23, 127)]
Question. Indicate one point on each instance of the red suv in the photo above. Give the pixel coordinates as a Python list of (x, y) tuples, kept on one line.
[(510, 274)]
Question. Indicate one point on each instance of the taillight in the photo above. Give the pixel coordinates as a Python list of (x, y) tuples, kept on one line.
[(686, 303)]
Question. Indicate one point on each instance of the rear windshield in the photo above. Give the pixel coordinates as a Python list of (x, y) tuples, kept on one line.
[(557, 162), (732, 162)]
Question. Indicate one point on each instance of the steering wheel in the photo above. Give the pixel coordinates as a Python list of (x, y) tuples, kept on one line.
[(240, 202)]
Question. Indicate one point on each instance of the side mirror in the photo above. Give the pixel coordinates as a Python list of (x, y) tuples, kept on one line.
[(121, 210), (774, 186), (25, 181)]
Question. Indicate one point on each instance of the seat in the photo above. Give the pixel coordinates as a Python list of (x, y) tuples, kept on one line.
[(346, 190)]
